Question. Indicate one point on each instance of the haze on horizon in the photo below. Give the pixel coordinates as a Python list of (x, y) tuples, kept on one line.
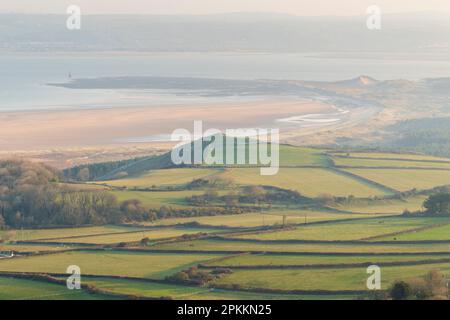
[(297, 7)]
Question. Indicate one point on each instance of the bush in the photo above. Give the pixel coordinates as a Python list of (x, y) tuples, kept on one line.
[(400, 290)]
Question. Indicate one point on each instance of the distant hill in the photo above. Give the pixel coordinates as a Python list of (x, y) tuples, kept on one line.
[(225, 32)]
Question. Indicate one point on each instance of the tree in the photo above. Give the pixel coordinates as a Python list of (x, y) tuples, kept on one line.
[(438, 204), (436, 283), (133, 209), (84, 174), (400, 290), (2, 223)]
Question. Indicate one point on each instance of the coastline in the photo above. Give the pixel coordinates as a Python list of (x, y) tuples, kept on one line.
[(48, 132)]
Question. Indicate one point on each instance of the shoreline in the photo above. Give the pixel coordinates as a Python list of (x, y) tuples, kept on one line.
[(83, 132)]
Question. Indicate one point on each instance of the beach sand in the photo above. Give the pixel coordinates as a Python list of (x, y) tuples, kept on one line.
[(71, 137)]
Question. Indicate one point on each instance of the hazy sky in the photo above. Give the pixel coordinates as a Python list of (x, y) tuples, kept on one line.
[(299, 7)]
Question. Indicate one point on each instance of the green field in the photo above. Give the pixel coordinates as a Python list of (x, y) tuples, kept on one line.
[(33, 247), (437, 233), (323, 279), (26, 235), (305, 260), (352, 230), (354, 162), (21, 289), (309, 182), (167, 177), (383, 206), (403, 156), (274, 217), (141, 265), (246, 246), (155, 199), (158, 290), (296, 156), (405, 179), (134, 236)]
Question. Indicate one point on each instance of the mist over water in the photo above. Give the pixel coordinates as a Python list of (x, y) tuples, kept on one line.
[(24, 77)]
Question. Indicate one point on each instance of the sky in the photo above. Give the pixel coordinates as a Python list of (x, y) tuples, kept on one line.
[(297, 7)]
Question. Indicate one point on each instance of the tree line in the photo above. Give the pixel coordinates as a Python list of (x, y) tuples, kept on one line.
[(33, 195)]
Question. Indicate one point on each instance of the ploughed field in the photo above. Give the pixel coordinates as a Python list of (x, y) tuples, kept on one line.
[(347, 216)]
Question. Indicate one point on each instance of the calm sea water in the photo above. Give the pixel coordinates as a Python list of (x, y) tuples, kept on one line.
[(23, 77)]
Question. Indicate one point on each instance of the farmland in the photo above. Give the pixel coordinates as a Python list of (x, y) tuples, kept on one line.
[(310, 182), (405, 179), (308, 232), (354, 230), (21, 289)]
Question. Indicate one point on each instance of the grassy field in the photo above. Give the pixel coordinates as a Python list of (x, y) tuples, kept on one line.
[(245, 246), (33, 248), (295, 156), (167, 177), (134, 236), (155, 200), (324, 279), (26, 235), (284, 260), (384, 206), (21, 289), (307, 181), (404, 180), (354, 162), (403, 156), (353, 230), (437, 233), (274, 217), (157, 290), (143, 265)]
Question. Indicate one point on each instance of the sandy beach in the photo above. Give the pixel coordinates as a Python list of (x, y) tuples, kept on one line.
[(91, 131)]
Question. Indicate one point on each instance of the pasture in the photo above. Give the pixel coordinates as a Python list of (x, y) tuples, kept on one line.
[(113, 263), (134, 236), (158, 290), (166, 177), (24, 289), (436, 233), (354, 162), (365, 248), (157, 199), (381, 155), (311, 182), (269, 260), (405, 179), (273, 217), (38, 234), (384, 206), (352, 230), (324, 279)]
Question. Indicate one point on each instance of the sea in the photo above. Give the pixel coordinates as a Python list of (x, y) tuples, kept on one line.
[(24, 77)]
